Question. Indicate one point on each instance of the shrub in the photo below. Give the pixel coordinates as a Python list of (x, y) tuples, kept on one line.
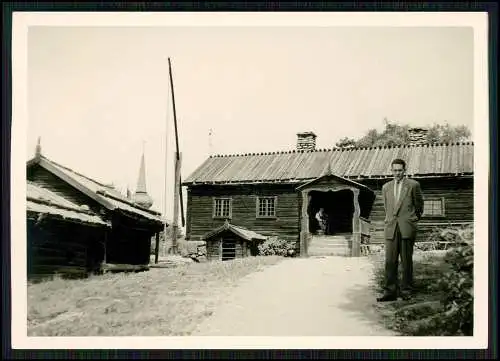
[(458, 292), (274, 246)]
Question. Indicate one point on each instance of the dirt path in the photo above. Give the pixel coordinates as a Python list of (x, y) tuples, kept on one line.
[(328, 296)]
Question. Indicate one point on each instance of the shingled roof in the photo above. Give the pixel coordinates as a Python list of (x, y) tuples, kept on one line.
[(40, 200), (355, 163), (242, 232), (100, 192)]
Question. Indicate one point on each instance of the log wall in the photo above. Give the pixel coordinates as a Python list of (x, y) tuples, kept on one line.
[(59, 246), (457, 193), (285, 225)]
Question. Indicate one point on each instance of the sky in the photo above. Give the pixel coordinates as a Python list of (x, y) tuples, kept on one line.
[(98, 95)]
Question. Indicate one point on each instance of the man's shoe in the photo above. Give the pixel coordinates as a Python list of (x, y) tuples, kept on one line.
[(386, 298), (405, 296)]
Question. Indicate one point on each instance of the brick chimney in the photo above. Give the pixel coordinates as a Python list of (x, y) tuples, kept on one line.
[(306, 141), (418, 135)]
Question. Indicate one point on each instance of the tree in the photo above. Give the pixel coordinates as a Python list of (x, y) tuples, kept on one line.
[(398, 134), (440, 133), (346, 143)]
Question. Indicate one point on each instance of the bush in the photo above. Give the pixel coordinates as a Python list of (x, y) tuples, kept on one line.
[(458, 292), (274, 246)]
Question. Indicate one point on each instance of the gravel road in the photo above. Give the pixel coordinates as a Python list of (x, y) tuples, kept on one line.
[(329, 296)]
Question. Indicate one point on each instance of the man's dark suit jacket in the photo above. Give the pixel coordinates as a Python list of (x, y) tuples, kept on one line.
[(406, 211)]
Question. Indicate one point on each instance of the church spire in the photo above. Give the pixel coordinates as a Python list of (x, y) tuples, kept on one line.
[(141, 196)]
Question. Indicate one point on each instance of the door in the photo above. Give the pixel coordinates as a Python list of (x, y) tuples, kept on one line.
[(228, 250)]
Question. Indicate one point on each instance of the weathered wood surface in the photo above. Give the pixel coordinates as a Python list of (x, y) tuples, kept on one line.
[(110, 267), (232, 244), (56, 246), (457, 192), (285, 225), (44, 178)]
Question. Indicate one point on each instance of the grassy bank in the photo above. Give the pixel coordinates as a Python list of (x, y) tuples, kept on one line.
[(159, 302), (442, 303)]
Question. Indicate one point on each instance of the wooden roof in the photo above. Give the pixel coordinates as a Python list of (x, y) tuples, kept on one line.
[(355, 163), (342, 180), (104, 194), (43, 201), (239, 231)]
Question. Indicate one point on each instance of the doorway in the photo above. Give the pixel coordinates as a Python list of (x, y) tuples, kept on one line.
[(338, 207), (228, 249)]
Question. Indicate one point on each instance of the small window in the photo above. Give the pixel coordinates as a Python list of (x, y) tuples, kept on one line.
[(433, 207), (266, 207), (222, 207)]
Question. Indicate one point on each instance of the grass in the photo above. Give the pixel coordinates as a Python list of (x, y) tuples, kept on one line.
[(159, 302), (413, 317)]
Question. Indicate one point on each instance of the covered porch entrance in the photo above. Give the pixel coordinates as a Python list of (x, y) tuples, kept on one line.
[(336, 210), (335, 214)]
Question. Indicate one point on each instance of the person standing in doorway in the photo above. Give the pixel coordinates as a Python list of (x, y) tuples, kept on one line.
[(322, 219), (403, 205)]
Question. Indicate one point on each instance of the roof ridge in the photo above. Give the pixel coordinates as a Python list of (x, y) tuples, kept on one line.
[(339, 149), (77, 173), (129, 202)]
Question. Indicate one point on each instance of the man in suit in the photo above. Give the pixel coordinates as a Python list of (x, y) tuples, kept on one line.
[(403, 205)]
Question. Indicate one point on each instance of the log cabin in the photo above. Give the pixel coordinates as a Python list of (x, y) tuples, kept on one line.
[(278, 193), (127, 241), (62, 237)]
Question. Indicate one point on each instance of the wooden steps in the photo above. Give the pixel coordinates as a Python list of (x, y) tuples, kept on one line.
[(334, 245)]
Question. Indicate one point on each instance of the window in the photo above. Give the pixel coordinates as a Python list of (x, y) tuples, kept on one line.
[(222, 207), (433, 207), (266, 207)]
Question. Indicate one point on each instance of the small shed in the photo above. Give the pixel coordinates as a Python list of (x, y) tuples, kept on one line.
[(62, 237), (230, 241), (133, 224)]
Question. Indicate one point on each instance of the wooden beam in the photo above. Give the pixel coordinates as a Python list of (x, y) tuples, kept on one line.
[(304, 231), (356, 232), (175, 225), (157, 247)]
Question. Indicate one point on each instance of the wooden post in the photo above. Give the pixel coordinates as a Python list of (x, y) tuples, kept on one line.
[(164, 246), (356, 231), (105, 246), (157, 246), (175, 223), (304, 225)]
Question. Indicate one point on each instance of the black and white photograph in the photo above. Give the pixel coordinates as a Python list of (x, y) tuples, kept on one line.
[(290, 178)]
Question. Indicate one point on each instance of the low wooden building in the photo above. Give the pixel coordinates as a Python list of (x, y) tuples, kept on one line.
[(128, 240), (62, 237), (278, 193), (230, 242)]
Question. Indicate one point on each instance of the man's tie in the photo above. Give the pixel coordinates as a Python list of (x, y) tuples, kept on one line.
[(396, 190)]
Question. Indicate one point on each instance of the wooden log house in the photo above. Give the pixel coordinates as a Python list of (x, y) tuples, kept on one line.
[(278, 193), (127, 241), (62, 236)]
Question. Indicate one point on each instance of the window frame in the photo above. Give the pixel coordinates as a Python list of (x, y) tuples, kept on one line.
[(431, 215), (214, 203), (257, 207)]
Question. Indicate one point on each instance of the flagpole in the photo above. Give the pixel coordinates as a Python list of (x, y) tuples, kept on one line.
[(177, 170), (165, 236)]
